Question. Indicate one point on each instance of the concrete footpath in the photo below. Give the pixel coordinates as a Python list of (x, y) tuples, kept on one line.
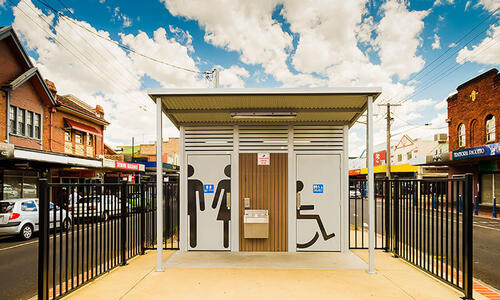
[(394, 279)]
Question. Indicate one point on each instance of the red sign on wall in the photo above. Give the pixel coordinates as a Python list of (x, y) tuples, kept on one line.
[(379, 158), (126, 166)]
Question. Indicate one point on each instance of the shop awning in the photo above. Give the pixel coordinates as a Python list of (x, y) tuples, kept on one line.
[(81, 127), (264, 105)]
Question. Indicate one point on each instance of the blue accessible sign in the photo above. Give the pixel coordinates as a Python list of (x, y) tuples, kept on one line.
[(318, 188), (208, 188)]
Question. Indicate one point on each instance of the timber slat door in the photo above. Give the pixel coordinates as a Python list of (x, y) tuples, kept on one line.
[(267, 188)]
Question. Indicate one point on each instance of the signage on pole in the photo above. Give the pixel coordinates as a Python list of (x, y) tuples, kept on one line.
[(263, 159)]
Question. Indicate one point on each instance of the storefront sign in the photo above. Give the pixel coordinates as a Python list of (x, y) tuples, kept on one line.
[(379, 158), (481, 151), (318, 188), (263, 159), (126, 166), (208, 188)]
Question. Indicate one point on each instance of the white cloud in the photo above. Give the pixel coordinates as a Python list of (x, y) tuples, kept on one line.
[(248, 29), (486, 52), (398, 38), (441, 105), (489, 5), (452, 45), (100, 72), (117, 15), (232, 77), (443, 2), (436, 44), (467, 4)]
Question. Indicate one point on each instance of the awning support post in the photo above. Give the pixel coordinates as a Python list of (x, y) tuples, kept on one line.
[(159, 186), (371, 186)]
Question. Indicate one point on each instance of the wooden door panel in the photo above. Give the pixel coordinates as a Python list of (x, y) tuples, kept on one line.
[(267, 188)]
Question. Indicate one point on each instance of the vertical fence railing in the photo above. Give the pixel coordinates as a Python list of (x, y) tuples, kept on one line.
[(89, 229), (427, 222), (358, 214)]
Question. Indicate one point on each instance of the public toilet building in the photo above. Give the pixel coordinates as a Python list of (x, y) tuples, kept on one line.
[(264, 169)]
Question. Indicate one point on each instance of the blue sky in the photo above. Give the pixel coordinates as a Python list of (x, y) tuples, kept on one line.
[(261, 43)]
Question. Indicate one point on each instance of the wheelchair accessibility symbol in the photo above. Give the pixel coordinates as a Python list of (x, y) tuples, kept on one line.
[(318, 188)]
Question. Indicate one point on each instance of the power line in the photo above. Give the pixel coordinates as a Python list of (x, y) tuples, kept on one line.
[(54, 37), (413, 77)]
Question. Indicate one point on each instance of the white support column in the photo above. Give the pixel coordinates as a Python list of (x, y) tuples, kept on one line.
[(235, 167), (345, 194), (183, 217), (371, 186), (292, 194), (159, 186)]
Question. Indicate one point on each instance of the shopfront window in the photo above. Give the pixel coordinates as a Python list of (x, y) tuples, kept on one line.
[(490, 128), (19, 184), (461, 135)]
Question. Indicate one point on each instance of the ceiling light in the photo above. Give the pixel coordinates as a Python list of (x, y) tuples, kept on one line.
[(264, 115)]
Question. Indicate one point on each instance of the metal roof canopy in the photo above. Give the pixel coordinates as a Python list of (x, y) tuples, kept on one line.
[(339, 105)]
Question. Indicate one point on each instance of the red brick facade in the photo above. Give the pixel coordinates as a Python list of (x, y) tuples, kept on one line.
[(32, 96), (463, 110)]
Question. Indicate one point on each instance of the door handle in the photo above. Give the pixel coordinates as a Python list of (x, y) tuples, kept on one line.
[(228, 200), (298, 200)]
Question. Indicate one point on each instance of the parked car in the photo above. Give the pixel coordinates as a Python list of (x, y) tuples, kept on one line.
[(20, 217), (354, 193), (92, 207)]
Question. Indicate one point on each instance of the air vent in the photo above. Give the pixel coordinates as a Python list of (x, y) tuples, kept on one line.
[(208, 138), (318, 138), (263, 139)]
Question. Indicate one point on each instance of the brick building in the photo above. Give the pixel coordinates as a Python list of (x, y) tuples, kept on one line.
[(473, 119), (28, 113)]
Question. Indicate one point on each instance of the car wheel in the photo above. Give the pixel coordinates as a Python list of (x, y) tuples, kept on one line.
[(105, 216), (26, 232), (66, 224)]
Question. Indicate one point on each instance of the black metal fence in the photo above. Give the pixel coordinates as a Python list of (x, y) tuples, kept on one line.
[(426, 222), (88, 229)]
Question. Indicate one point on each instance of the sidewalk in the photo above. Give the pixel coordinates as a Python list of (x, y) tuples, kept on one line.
[(394, 279)]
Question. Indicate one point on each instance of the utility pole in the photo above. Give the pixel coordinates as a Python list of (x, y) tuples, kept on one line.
[(388, 133), (216, 78)]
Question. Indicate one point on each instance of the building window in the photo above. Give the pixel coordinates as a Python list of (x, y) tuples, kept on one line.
[(21, 115), (67, 136), (490, 128), (408, 155), (78, 138), (400, 157), (29, 124), (89, 140), (12, 119), (38, 118), (461, 135)]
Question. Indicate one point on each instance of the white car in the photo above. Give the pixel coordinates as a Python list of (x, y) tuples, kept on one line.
[(20, 217), (101, 207)]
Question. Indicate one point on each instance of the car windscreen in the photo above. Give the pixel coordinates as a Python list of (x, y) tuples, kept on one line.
[(6, 207)]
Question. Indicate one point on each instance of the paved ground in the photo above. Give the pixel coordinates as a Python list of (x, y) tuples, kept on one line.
[(486, 234), (19, 259), (394, 280)]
